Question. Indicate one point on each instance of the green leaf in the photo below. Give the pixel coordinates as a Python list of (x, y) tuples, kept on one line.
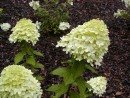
[(89, 94), (68, 76), (81, 83), (39, 65), (68, 61), (65, 73), (59, 71), (40, 78), (37, 53), (91, 69), (19, 57), (29, 51), (74, 95), (31, 61), (70, 73), (59, 89), (77, 69), (88, 86), (34, 70)]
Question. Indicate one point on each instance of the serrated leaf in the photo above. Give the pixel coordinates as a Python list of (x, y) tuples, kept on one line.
[(31, 61), (59, 89), (39, 65), (91, 69), (19, 57), (37, 53), (74, 95)]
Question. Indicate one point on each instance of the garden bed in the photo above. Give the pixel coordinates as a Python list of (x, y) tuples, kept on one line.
[(116, 63)]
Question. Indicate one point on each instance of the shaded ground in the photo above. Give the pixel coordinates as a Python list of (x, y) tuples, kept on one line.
[(116, 64)]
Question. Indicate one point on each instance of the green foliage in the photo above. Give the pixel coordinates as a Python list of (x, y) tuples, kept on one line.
[(82, 85), (51, 14), (70, 73), (72, 77), (26, 57), (19, 57), (59, 89), (91, 69), (39, 78), (74, 95)]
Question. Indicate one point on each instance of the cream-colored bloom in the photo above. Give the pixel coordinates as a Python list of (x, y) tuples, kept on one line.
[(89, 42), (64, 25), (5, 26), (127, 3), (34, 4), (120, 13), (70, 2), (38, 24), (24, 30), (17, 82), (98, 85)]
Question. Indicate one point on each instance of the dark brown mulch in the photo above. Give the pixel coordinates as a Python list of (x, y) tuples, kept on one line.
[(116, 63)]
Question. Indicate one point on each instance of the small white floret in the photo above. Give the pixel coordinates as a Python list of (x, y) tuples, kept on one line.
[(98, 85), (5, 26), (64, 25), (34, 4)]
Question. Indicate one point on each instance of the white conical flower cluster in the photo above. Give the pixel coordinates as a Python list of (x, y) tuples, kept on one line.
[(89, 41), (25, 30), (98, 85)]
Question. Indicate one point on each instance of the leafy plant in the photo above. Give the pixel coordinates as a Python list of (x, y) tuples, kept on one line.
[(72, 77), (27, 55), (51, 14), (87, 45), (26, 32)]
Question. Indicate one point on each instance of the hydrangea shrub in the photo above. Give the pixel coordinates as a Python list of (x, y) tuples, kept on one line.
[(17, 82), (24, 30), (25, 33), (52, 13), (98, 85), (89, 41)]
